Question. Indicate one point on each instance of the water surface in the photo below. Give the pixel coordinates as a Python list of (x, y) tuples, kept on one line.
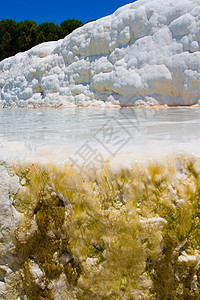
[(57, 134)]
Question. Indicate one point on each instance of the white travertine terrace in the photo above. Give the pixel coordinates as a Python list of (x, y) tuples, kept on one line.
[(146, 52)]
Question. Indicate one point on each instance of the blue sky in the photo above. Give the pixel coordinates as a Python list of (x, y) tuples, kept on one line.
[(58, 10)]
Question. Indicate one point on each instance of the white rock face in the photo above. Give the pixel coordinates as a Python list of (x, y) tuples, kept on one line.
[(8, 216), (145, 49)]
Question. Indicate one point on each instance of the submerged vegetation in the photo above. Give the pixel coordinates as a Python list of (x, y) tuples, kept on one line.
[(130, 234)]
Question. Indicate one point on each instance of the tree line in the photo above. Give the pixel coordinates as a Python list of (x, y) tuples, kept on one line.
[(20, 36)]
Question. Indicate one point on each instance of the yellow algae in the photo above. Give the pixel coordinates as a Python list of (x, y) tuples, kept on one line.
[(128, 234)]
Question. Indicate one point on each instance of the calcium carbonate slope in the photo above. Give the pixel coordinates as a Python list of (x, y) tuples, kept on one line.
[(147, 51)]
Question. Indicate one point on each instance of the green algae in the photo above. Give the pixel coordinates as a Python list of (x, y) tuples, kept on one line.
[(116, 235)]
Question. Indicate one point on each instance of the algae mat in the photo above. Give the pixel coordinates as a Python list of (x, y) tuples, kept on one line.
[(128, 234)]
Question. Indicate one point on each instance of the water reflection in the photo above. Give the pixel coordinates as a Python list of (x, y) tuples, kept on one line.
[(75, 126)]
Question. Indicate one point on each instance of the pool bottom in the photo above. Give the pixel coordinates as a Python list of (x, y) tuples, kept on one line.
[(124, 234)]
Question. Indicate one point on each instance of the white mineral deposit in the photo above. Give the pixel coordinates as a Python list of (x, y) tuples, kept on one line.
[(147, 50)]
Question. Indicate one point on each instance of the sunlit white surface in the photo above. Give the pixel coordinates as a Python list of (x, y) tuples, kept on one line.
[(81, 134), (146, 52)]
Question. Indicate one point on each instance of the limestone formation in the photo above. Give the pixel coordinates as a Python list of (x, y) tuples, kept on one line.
[(147, 50)]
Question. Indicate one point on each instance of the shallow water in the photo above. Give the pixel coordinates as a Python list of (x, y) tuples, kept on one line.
[(57, 134), (61, 216)]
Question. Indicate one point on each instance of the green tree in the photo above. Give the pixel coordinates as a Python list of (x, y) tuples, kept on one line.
[(91, 21), (40, 38), (50, 31), (28, 34), (68, 26), (7, 39), (8, 43), (22, 42), (2, 52), (20, 36), (33, 34)]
